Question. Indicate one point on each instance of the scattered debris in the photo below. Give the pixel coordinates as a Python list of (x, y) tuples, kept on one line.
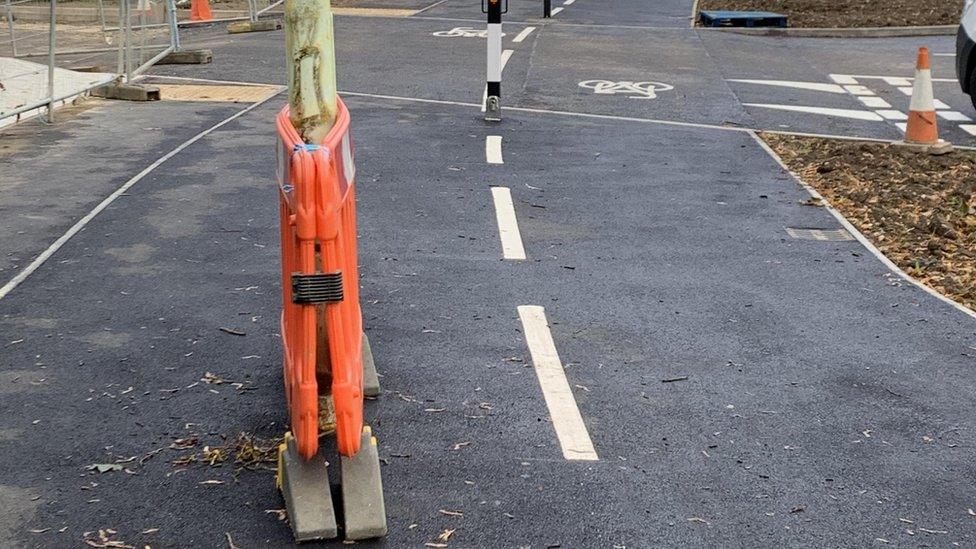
[(698, 520), (231, 331), (103, 540), (674, 379), (104, 467), (450, 513), (446, 534)]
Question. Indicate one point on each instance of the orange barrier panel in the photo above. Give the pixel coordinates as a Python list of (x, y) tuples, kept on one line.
[(318, 213), (200, 10)]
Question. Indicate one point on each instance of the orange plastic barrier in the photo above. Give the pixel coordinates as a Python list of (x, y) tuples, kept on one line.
[(200, 10), (318, 213)]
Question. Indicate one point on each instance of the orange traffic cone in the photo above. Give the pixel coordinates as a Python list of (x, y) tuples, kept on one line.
[(200, 10), (922, 131)]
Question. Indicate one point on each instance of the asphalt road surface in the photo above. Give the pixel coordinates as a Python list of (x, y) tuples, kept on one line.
[(736, 386)]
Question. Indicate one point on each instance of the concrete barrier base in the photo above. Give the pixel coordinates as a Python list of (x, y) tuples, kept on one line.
[(127, 92), (371, 379), (187, 57), (253, 26), (308, 498), (362, 491)]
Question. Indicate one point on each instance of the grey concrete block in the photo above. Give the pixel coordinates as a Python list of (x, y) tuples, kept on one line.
[(187, 57), (127, 92), (371, 379), (362, 491), (308, 498), (253, 26), (935, 149)]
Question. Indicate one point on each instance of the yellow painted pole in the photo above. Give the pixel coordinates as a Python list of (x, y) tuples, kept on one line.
[(310, 47)]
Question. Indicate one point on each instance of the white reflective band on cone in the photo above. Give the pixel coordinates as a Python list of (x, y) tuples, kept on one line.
[(494, 52), (922, 100)]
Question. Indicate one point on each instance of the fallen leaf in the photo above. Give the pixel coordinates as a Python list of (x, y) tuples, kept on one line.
[(104, 467), (446, 534)]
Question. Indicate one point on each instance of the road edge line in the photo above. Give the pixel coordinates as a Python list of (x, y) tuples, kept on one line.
[(858, 235), (107, 201)]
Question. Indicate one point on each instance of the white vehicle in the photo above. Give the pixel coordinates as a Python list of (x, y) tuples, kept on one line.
[(965, 56)]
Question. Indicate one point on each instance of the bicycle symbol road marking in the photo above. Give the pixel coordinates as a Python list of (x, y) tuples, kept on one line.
[(464, 32), (636, 90)]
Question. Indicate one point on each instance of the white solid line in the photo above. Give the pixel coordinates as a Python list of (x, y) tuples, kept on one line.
[(81, 223), (568, 2), (901, 126), (523, 35), (858, 90), (843, 79), (813, 86), (555, 11), (907, 90), (940, 104), (205, 80), (434, 5), (565, 414), (508, 229), (891, 114), (874, 102), (954, 116), (840, 113), (595, 116), (858, 235), (944, 54), (493, 149), (968, 128), (897, 80)]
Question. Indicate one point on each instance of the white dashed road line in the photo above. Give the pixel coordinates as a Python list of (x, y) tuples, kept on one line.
[(892, 114), (954, 116), (508, 229), (840, 113), (523, 35), (874, 102), (565, 415), (812, 86), (493, 149), (506, 55), (556, 10)]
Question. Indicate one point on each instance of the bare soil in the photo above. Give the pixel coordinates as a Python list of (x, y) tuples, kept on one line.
[(918, 209), (851, 13)]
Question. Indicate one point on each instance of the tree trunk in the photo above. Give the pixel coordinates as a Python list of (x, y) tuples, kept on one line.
[(310, 47)]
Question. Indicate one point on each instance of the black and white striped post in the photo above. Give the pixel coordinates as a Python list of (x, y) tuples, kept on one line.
[(493, 95)]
